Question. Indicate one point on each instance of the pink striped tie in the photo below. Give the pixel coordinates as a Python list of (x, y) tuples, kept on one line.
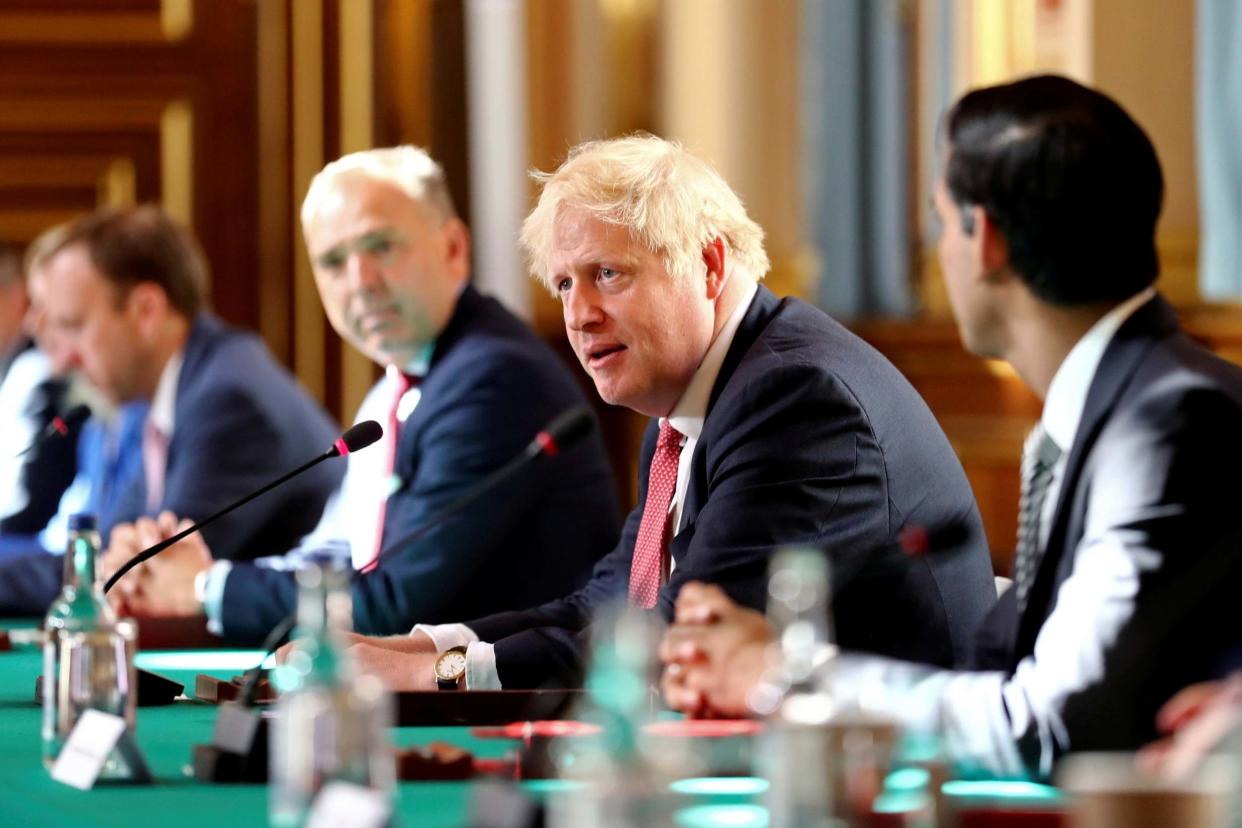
[(403, 384), (651, 547), (154, 464)]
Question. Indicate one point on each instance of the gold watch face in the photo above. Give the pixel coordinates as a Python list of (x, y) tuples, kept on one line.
[(450, 665)]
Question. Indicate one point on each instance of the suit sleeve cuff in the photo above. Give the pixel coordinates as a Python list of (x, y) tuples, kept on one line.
[(444, 636), (213, 596), (481, 671)]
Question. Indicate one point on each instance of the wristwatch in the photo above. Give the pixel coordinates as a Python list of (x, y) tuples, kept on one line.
[(451, 669)]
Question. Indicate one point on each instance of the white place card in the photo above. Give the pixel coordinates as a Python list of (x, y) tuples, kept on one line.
[(345, 804), (88, 747)]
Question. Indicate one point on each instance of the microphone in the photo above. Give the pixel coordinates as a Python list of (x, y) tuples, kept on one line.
[(238, 750), (59, 427), (565, 430), (942, 539), (356, 438)]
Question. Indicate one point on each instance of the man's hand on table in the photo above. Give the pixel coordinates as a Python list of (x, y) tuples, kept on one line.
[(164, 585), (1196, 720), (714, 654), (402, 662), (399, 671)]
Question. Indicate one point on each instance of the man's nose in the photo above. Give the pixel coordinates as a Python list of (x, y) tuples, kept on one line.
[(363, 271), (582, 309)]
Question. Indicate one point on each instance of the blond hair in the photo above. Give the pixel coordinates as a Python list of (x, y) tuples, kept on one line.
[(669, 200), (407, 167)]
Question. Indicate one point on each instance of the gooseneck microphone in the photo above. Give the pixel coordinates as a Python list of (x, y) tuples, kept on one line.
[(58, 427), (563, 432), (566, 429), (356, 438), (239, 744)]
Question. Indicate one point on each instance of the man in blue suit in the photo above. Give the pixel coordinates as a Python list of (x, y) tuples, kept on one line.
[(124, 298), (772, 426), (467, 386)]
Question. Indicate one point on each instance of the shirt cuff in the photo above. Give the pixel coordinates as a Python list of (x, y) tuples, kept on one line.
[(444, 636), (481, 667), (213, 596)]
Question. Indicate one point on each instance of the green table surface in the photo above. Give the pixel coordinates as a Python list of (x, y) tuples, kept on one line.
[(30, 797)]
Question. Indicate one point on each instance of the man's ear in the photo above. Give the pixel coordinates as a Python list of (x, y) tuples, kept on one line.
[(714, 259), (147, 304), (457, 246), (993, 246)]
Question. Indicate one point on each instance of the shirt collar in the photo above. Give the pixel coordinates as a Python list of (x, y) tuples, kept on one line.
[(1067, 393), (690, 411), (163, 404), (416, 367)]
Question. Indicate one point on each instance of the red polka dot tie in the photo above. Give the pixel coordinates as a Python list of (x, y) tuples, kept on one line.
[(650, 548)]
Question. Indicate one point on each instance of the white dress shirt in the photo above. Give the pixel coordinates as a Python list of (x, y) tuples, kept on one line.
[(981, 716), (163, 413), (687, 418)]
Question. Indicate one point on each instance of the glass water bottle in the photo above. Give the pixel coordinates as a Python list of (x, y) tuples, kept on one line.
[(797, 753), (330, 723), (88, 655)]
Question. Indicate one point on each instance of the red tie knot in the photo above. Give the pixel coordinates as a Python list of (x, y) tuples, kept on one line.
[(669, 439)]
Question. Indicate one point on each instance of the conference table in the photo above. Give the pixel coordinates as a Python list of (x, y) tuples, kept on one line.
[(29, 797)]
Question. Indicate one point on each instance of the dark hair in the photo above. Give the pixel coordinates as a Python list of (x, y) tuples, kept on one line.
[(143, 244), (1068, 177)]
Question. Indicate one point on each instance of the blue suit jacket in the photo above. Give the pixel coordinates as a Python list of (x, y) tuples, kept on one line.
[(491, 386), (811, 438), (241, 420)]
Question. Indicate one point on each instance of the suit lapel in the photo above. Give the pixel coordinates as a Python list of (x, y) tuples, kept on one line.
[(762, 308), (204, 331), (1127, 349)]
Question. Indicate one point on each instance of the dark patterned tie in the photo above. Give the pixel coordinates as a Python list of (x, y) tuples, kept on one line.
[(651, 545), (1039, 458)]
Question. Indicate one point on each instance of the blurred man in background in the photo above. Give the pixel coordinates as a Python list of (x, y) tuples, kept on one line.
[(123, 298), (30, 398)]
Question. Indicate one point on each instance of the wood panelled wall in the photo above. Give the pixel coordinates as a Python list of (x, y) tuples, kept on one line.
[(986, 411), (123, 101), (222, 110)]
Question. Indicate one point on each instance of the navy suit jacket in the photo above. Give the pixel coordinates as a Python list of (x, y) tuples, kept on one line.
[(1154, 463), (47, 468), (240, 421), (811, 438), (491, 386)]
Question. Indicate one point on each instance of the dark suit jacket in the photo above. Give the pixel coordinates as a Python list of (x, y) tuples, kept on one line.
[(241, 420), (811, 438), (48, 468), (491, 386), (1153, 464)]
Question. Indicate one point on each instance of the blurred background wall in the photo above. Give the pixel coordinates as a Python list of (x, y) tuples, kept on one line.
[(822, 113)]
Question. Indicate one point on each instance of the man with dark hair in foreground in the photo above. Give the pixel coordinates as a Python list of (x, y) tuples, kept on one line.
[(1127, 567)]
